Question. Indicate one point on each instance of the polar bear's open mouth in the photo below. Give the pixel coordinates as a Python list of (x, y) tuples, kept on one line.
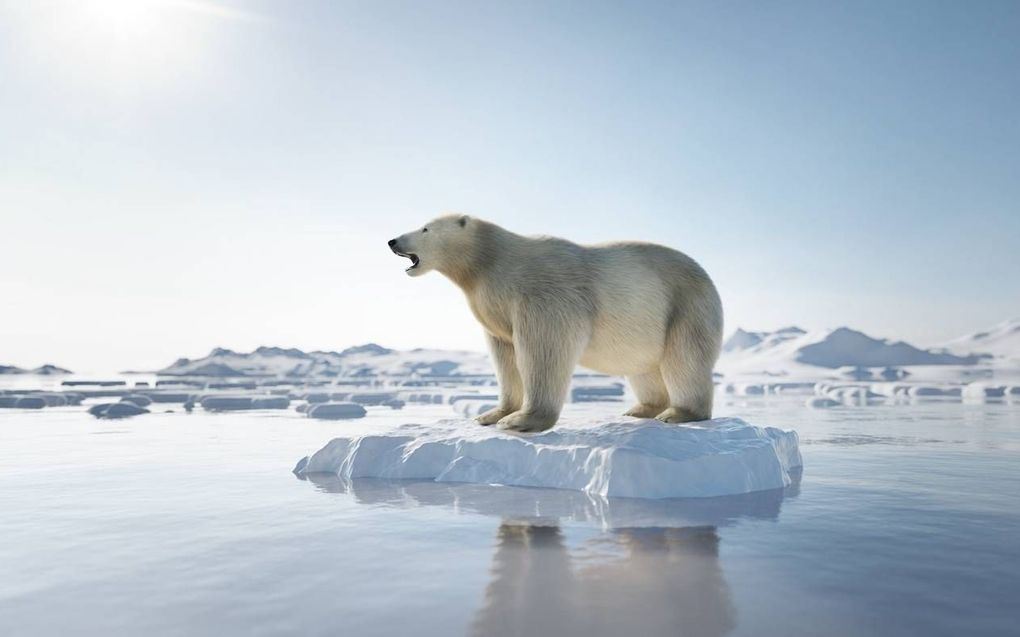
[(414, 260)]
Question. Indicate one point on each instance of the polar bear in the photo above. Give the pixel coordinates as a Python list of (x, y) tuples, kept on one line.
[(634, 309)]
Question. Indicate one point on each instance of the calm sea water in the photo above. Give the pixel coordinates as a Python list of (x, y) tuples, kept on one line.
[(905, 521)]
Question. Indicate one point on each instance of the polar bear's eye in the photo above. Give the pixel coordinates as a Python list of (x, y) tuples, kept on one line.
[(424, 229)]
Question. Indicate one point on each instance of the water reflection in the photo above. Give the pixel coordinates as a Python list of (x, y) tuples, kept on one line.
[(651, 581), (654, 571), (553, 506)]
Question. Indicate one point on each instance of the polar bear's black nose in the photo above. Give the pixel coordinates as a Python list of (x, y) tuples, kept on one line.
[(392, 243)]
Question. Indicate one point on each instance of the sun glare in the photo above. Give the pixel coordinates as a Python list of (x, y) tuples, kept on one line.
[(122, 43), (127, 19)]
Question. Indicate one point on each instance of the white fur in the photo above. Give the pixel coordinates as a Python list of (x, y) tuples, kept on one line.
[(635, 309)]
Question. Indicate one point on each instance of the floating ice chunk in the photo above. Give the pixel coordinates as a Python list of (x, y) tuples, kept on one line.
[(240, 403), (452, 398), (638, 459), (137, 399), (981, 391), (226, 403), (31, 402), (746, 389), (243, 384), (270, 402), (168, 397), (117, 410), (336, 411), (370, 399), (594, 391), (822, 402), (95, 383), (924, 391), (850, 394), (22, 402), (38, 400), (891, 390), (53, 399), (791, 388), (469, 408)]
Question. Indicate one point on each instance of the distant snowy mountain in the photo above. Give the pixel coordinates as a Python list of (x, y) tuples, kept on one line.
[(45, 370), (363, 360), (788, 352), (792, 350), (1001, 341), (741, 340)]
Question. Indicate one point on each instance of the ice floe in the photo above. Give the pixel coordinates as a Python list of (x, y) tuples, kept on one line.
[(117, 410), (633, 458), (821, 402), (22, 402), (981, 391), (470, 407), (137, 399), (240, 403), (335, 411)]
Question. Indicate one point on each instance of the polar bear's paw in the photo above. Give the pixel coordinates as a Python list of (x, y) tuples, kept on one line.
[(493, 416), (644, 411), (524, 421), (679, 414)]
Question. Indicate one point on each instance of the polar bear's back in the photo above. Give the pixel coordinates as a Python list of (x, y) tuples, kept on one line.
[(679, 273), (642, 290), (625, 298)]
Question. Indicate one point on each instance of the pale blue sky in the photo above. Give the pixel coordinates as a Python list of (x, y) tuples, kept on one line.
[(180, 174)]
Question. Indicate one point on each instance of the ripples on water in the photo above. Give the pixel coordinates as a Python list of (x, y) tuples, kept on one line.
[(904, 521)]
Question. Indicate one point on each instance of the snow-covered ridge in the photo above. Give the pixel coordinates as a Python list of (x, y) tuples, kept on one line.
[(788, 352), (612, 458), (1001, 341), (363, 360), (792, 350), (742, 340), (44, 370)]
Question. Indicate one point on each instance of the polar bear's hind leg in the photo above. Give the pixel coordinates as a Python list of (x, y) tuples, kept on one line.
[(651, 394), (687, 372)]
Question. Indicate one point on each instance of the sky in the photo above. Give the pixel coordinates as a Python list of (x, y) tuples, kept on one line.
[(177, 175)]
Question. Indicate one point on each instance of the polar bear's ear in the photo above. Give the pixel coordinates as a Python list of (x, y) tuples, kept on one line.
[(462, 221)]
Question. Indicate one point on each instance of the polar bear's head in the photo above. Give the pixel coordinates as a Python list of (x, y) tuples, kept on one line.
[(441, 244)]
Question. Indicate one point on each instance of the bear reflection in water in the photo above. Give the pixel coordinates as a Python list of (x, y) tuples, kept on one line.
[(654, 572), (663, 582)]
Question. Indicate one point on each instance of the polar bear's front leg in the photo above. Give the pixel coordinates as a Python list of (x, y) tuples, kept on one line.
[(511, 394), (547, 352)]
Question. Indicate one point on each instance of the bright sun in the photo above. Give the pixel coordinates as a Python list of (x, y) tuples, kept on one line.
[(119, 18), (126, 43)]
